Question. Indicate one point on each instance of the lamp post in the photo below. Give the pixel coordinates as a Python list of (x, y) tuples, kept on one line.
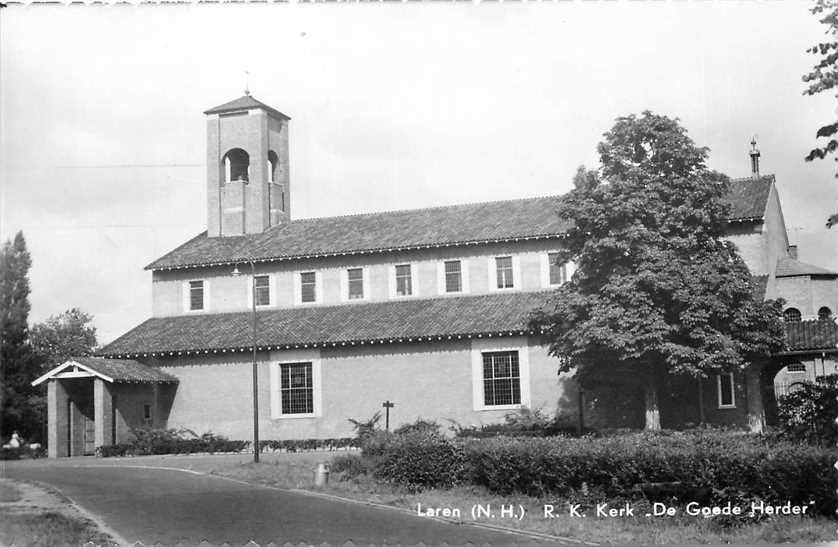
[(236, 272)]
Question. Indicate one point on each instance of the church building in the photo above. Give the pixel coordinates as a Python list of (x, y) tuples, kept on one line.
[(424, 308)]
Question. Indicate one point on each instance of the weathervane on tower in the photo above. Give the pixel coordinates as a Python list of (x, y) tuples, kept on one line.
[(247, 82)]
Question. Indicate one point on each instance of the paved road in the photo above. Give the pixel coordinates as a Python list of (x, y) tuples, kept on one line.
[(168, 506)]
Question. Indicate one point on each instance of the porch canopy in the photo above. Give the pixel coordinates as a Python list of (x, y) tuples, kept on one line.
[(109, 370)]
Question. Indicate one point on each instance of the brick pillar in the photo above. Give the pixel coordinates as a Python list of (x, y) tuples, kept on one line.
[(103, 412), (76, 430), (753, 392), (58, 420)]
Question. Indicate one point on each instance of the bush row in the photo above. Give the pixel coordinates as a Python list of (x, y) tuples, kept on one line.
[(22, 452), (703, 466), (183, 441)]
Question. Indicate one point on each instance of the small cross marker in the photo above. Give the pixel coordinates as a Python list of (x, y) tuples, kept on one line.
[(387, 406)]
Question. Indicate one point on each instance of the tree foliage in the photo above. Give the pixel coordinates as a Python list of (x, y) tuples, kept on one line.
[(657, 289), (69, 334), (17, 361), (824, 77), (808, 414)]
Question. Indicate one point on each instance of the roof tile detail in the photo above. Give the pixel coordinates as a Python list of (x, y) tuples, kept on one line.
[(812, 334), (125, 370), (789, 267), (379, 321), (245, 102), (413, 229), (409, 229)]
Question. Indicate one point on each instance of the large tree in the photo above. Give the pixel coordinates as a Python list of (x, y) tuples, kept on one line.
[(824, 77), (17, 362), (657, 290), (69, 334)]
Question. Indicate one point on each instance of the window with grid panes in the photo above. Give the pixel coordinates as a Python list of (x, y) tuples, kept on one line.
[(308, 287), (297, 388), (501, 378), (355, 283), (263, 290), (453, 276), (503, 265), (558, 272), (404, 282), (196, 295)]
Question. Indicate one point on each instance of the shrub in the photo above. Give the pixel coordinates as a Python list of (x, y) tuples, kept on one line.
[(808, 414), (364, 429), (697, 466), (419, 426), (22, 452), (521, 423), (417, 459), (351, 465)]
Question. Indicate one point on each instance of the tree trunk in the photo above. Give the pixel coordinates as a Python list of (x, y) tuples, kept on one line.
[(653, 413)]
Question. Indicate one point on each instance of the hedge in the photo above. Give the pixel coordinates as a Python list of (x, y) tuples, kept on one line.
[(183, 441), (705, 466)]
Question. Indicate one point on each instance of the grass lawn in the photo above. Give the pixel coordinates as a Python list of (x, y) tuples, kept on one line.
[(52, 528), (32, 516), (295, 471)]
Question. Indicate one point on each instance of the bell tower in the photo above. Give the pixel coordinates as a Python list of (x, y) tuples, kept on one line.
[(247, 168)]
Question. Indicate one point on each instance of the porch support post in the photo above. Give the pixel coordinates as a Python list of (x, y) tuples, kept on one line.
[(103, 412), (753, 392), (58, 420)]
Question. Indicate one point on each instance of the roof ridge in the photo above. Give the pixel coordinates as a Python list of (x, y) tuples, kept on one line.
[(432, 208), (772, 177)]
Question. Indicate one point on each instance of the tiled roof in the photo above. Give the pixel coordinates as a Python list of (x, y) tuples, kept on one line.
[(125, 370), (390, 321), (748, 197), (412, 229), (243, 103), (789, 267), (394, 230), (812, 334)]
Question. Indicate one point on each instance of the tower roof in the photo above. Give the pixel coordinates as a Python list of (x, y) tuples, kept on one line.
[(245, 102)]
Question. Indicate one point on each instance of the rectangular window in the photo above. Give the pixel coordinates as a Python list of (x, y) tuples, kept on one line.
[(796, 367), (147, 418), (503, 267), (404, 280), (296, 388), (453, 276), (308, 287), (263, 290), (196, 295), (558, 272), (501, 378), (726, 390), (355, 283)]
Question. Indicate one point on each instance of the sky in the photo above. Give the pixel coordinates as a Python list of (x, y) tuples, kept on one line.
[(394, 105)]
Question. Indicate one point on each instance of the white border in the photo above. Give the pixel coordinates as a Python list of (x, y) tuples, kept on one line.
[(343, 274), (440, 276), (478, 347), (298, 288), (493, 273), (732, 390), (185, 296), (297, 356), (414, 286)]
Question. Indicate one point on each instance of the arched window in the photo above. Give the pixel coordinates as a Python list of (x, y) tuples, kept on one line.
[(791, 315), (273, 163), (824, 313), (236, 165)]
